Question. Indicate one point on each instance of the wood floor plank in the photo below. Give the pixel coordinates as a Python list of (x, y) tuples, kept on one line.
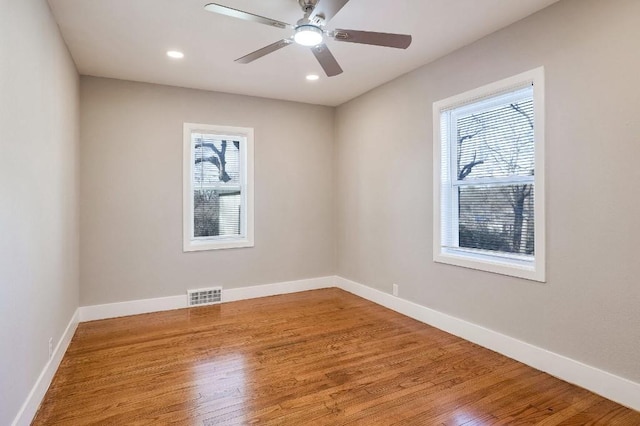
[(323, 357)]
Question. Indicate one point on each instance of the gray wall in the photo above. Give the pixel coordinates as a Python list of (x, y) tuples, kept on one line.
[(131, 191), (38, 195), (589, 309)]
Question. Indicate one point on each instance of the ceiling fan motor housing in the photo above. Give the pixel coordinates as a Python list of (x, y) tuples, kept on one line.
[(307, 5)]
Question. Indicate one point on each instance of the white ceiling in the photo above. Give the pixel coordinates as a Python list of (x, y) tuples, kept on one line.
[(127, 39)]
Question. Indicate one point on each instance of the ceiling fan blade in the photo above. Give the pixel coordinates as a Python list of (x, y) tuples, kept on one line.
[(400, 41), (327, 9), (235, 13), (326, 59), (264, 51)]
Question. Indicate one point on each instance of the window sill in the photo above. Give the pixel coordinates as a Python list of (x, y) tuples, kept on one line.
[(202, 245), (514, 267)]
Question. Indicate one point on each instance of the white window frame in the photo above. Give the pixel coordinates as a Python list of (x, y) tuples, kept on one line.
[(532, 268), (245, 134)]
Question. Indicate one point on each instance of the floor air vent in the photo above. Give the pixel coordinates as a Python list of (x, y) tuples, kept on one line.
[(204, 296)]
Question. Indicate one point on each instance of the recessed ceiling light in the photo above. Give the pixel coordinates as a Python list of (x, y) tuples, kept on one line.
[(312, 77), (175, 54)]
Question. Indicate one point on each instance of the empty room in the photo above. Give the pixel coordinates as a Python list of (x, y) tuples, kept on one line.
[(319, 212)]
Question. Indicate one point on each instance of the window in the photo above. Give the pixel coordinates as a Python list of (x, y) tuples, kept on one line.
[(218, 181), (489, 178)]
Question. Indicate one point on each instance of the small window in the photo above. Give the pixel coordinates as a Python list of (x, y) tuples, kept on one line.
[(489, 178), (218, 180)]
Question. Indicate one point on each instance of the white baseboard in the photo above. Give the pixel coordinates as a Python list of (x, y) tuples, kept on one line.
[(143, 306), (234, 294), (608, 385), (131, 307), (30, 406)]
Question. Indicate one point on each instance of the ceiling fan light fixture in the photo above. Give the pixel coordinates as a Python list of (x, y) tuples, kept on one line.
[(308, 35)]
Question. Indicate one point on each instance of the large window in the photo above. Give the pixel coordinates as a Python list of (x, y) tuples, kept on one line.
[(489, 177), (218, 178)]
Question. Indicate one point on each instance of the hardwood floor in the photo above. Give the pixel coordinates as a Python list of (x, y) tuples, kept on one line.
[(322, 357)]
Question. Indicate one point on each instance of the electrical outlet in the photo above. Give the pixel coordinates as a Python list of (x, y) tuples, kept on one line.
[(50, 347), (395, 289)]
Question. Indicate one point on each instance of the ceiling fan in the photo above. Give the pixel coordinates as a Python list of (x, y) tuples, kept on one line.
[(309, 31)]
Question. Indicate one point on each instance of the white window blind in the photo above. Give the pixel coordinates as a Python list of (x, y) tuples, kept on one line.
[(217, 186)]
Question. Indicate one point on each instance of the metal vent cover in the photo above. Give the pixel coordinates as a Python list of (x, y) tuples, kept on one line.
[(204, 296)]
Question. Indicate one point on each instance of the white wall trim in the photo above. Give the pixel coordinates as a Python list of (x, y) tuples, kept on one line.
[(234, 294), (32, 403), (610, 386), (245, 136), (132, 307), (143, 306), (445, 241)]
